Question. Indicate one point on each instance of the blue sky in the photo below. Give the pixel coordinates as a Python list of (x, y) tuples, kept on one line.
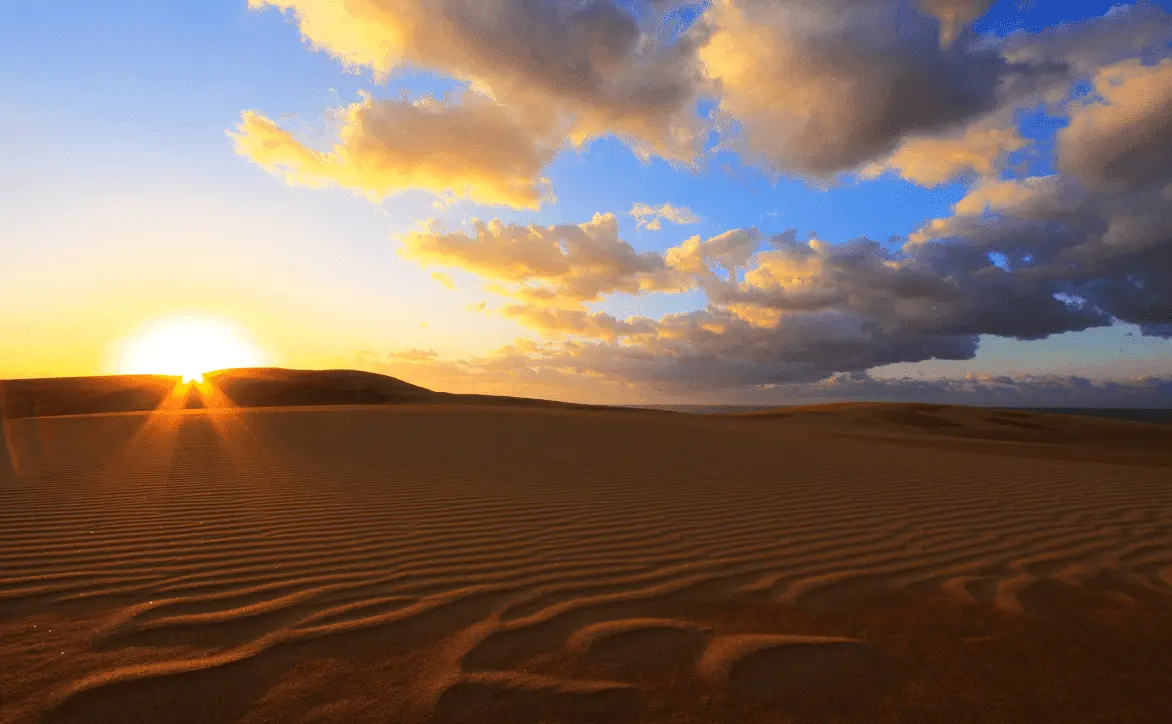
[(127, 202)]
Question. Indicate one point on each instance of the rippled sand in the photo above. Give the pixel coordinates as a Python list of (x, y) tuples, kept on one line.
[(483, 564)]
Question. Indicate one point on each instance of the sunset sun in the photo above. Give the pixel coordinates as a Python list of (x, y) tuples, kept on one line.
[(188, 347)]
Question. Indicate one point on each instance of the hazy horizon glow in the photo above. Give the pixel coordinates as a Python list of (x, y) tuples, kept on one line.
[(700, 202), (188, 347)]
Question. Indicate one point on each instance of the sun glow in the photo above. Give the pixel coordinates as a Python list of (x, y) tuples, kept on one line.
[(188, 347)]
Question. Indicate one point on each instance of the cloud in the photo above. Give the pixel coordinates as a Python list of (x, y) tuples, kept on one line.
[(589, 63), (730, 250), (475, 150), (812, 88), (989, 390), (1105, 249), (578, 322), (815, 88), (1069, 260), (955, 15), (943, 290), (1142, 31), (979, 149), (652, 217), (568, 372), (818, 87), (568, 262), (990, 196), (1124, 136)]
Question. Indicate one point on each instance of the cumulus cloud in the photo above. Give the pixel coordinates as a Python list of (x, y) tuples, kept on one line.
[(730, 251), (476, 150), (587, 62), (1124, 135), (652, 217), (1068, 260), (989, 198), (980, 149), (820, 87), (1106, 250), (579, 322), (566, 262), (934, 289), (808, 87)]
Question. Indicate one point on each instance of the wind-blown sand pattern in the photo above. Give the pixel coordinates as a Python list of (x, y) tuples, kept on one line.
[(515, 564)]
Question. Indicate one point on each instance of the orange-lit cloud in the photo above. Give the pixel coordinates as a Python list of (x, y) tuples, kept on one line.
[(1125, 135), (578, 322), (817, 87), (989, 196), (589, 64), (475, 150), (814, 88), (571, 262), (931, 161), (652, 217)]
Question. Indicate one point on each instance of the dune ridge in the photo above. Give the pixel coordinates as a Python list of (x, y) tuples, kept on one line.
[(233, 388), (493, 563)]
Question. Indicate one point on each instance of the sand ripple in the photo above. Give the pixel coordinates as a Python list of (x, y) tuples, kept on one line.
[(512, 565)]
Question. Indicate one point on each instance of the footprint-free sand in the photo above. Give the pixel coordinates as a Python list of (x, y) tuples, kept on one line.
[(480, 563)]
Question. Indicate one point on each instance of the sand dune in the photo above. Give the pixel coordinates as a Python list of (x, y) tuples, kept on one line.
[(475, 563), (235, 388)]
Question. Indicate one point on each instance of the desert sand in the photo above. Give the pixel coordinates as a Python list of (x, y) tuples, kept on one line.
[(458, 562)]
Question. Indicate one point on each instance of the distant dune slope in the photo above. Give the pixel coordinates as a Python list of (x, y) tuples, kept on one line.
[(951, 423), (245, 387), (259, 387), (83, 395), (456, 563)]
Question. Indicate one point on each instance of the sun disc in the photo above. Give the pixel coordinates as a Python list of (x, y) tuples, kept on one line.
[(187, 347)]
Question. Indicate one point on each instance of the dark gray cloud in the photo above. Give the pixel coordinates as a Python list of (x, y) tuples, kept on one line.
[(942, 288), (815, 88), (989, 390), (955, 15), (806, 87), (1124, 135), (1109, 252), (1139, 30), (587, 372), (1023, 259), (819, 87)]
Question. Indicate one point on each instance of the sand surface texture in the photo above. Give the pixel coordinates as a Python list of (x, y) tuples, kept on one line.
[(481, 564)]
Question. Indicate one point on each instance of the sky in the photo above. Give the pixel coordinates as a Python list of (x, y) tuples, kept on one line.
[(642, 201)]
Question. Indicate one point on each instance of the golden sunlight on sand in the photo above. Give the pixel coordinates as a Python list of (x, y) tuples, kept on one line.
[(502, 562)]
